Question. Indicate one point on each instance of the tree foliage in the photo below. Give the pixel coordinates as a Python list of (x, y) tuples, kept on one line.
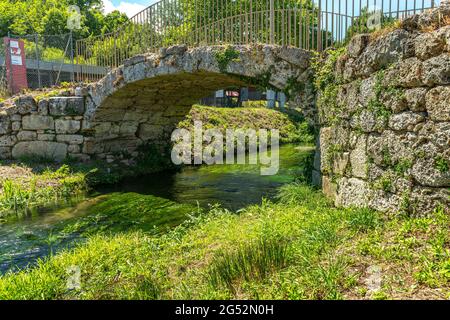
[(21, 17)]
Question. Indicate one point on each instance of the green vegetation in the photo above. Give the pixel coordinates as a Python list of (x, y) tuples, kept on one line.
[(441, 164), (225, 57), (19, 194), (299, 247), (49, 17), (327, 85), (290, 127)]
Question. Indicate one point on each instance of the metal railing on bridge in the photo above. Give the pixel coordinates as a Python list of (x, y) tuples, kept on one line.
[(308, 24)]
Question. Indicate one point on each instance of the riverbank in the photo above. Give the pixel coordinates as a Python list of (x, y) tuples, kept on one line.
[(299, 247), (29, 183)]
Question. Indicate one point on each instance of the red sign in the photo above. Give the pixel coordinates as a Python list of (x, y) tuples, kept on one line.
[(16, 69)]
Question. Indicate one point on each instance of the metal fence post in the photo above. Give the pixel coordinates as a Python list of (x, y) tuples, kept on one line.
[(10, 75), (36, 42), (319, 29), (71, 55), (272, 22)]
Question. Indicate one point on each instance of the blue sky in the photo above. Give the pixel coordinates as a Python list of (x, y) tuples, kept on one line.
[(130, 7)]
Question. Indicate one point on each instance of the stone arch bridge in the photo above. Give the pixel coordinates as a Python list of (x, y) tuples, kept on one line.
[(142, 100)]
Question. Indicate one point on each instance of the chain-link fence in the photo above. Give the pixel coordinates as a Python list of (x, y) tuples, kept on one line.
[(4, 90), (49, 59)]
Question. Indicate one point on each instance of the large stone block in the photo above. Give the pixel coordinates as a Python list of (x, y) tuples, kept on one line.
[(37, 122), (428, 45), (436, 71), (424, 200), (358, 158), (405, 120), (5, 124), (70, 138), (357, 45), (5, 153), (66, 106), (438, 103), (352, 192), (67, 126), (42, 149), (407, 73), (415, 99), (26, 104), (7, 141), (150, 131), (27, 136), (426, 173)]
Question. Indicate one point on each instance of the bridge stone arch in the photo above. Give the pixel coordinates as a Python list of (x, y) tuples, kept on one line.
[(144, 99)]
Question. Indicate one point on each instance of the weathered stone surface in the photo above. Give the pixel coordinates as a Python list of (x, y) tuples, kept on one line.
[(70, 138), (426, 174), (26, 104), (42, 149), (428, 18), (357, 45), (438, 103), (367, 91), (5, 153), (73, 148), (368, 121), (5, 124), (405, 120), (7, 141), (436, 71), (358, 158), (352, 192), (415, 99), (37, 122), (16, 125), (395, 102), (46, 137), (66, 106), (424, 200), (67, 126), (340, 163), (150, 131), (43, 107), (384, 201), (296, 57), (389, 147), (27, 135), (407, 74), (329, 188), (382, 52), (428, 45), (444, 33)]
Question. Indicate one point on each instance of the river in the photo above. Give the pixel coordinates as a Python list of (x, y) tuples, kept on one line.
[(152, 203)]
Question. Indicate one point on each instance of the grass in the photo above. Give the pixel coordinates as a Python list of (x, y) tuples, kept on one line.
[(291, 130), (19, 194), (299, 247)]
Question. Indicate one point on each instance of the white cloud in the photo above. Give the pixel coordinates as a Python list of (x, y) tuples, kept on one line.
[(129, 8)]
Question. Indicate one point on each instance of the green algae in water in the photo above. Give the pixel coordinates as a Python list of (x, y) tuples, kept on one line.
[(119, 212), (21, 245)]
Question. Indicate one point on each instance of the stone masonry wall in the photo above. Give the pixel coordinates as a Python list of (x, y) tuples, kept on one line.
[(385, 119)]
